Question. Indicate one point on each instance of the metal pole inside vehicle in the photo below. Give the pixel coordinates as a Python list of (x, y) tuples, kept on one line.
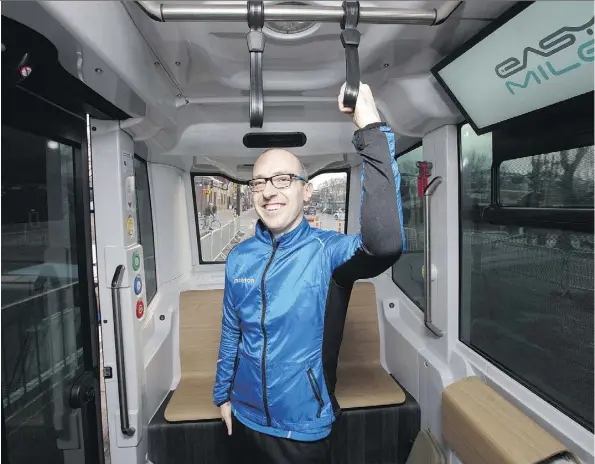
[(166, 12)]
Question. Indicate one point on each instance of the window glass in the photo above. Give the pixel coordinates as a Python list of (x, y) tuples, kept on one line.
[(41, 332), (327, 209), (476, 165), (527, 292), (407, 271), (225, 214), (145, 225), (562, 179)]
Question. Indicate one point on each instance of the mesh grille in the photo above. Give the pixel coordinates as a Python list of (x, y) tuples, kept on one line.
[(290, 27), (562, 179)]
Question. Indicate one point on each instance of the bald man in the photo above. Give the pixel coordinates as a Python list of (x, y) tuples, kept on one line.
[(286, 296)]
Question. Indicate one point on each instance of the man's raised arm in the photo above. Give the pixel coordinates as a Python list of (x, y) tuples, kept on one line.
[(382, 237)]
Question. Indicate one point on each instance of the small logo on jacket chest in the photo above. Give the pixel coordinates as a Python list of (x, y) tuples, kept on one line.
[(244, 280)]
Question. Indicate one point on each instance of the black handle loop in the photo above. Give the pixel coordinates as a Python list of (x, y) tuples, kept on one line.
[(256, 42), (350, 38)]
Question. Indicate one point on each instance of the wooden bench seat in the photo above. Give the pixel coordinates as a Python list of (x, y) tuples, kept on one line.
[(361, 379)]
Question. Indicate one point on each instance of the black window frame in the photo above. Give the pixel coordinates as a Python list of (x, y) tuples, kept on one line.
[(144, 161), (392, 276), (193, 175), (546, 218)]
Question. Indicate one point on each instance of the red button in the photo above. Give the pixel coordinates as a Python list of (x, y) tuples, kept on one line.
[(140, 309)]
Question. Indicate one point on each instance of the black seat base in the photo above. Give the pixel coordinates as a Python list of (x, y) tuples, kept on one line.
[(375, 435)]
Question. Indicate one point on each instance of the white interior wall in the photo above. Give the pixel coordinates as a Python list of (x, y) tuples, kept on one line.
[(160, 349), (176, 253), (173, 245)]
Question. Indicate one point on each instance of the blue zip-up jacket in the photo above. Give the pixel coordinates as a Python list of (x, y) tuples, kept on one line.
[(285, 302)]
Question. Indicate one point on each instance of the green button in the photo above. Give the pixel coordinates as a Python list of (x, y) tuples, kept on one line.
[(135, 261)]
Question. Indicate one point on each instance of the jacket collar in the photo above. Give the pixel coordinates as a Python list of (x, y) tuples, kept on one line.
[(263, 234)]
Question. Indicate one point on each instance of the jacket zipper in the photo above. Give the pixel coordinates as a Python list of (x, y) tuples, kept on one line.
[(264, 334), (316, 391)]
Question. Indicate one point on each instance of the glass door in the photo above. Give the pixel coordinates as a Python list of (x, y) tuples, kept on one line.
[(50, 372)]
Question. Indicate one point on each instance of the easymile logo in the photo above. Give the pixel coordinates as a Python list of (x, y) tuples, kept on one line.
[(548, 46)]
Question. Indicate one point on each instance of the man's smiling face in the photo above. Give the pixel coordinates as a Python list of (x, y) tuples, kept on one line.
[(280, 207)]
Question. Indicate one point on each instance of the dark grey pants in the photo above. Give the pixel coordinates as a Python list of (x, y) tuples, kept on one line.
[(252, 447)]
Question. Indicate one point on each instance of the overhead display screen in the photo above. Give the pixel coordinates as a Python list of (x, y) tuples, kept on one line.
[(537, 54)]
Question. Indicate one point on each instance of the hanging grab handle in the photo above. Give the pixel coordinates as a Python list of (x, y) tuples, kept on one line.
[(256, 40), (350, 39)]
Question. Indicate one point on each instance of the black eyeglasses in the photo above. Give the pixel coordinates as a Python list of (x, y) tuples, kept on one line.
[(279, 181)]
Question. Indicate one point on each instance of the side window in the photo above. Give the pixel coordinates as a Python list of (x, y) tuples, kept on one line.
[(562, 179), (526, 285), (225, 214), (327, 209), (407, 271), (476, 168), (145, 225)]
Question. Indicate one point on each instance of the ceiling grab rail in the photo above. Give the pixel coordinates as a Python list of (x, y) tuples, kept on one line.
[(256, 41), (350, 37), (174, 11), (349, 15)]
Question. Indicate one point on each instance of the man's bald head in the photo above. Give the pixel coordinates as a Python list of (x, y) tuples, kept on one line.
[(278, 155), (280, 206)]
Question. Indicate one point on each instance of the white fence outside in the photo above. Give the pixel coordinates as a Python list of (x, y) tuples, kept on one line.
[(213, 243)]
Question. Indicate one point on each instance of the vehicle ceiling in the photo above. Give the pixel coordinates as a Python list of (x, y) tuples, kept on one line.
[(302, 73), (206, 67)]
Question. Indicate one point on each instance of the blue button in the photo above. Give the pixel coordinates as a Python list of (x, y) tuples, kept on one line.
[(138, 285)]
